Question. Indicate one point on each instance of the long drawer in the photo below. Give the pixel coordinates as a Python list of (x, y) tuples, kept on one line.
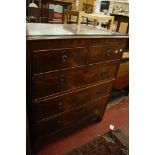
[(55, 124), (56, 82), (48, 107), (55, 59), (105, 53)]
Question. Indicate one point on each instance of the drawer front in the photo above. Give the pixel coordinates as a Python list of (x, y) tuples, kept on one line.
[(56, 82), (95, 108), (105, 53), (61, 103), (49, 60)]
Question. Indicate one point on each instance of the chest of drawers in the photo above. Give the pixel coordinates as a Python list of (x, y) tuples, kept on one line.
[(69, 81)]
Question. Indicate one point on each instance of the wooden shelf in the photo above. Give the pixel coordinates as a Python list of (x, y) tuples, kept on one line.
[(87, 6)]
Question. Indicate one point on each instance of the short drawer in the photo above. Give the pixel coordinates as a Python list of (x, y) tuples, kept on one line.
[(105, 53), (48, 107), (56, 82), (55, 59), (68, 119)]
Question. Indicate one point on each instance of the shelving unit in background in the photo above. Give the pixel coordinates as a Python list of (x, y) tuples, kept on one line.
[(88, 6)]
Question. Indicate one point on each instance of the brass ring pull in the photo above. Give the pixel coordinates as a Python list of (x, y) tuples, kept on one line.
[(104, 73), (98, 92), (121, 50), (108, 53), (116, 51), (62, 80), (64, 57), (60, 105)]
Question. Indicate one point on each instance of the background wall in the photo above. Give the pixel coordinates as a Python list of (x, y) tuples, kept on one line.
[(56, 8), (114, 4)]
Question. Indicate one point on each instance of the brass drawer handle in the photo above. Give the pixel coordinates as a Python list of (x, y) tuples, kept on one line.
[(116, 51), (64, 57), (59, 122), (98, 92), (62, 80), (109, 52), (121, 50), (104, 73), (60, 105)]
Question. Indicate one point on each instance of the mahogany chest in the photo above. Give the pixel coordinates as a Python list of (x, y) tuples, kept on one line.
[(69, 80)]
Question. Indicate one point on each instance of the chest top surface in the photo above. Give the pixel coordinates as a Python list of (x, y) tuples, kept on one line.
[(36, 31)]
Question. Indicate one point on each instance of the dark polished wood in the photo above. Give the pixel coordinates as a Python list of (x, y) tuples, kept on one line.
[(57, 44), (69, 81), (48, 60), (55, 105), (70, 118), (105, 53), (109, 41), (28, 143)]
